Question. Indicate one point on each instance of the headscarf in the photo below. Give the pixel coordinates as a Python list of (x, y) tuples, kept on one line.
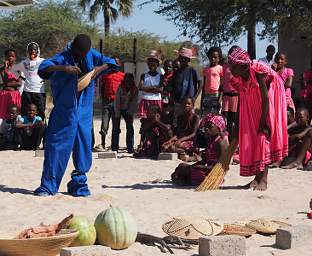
[(217, 120), (239, 57), (38, 54)]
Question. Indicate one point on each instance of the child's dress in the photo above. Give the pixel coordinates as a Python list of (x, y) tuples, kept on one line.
[(255, 149), (148, 98), (287, 72), (230, 94), (8, 98)]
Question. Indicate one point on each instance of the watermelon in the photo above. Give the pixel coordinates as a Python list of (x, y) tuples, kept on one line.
[(87, 232)]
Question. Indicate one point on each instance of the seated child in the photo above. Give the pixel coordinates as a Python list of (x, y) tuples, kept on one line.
[(185, 133), (299, 141), (125, 105), (31, 129), (9, 136), (186, 175), (153, 134)]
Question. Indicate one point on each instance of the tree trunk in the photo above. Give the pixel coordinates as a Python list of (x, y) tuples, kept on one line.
[(251, 29), (106, 18)]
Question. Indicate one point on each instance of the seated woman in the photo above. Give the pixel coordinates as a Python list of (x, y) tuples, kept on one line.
[(153, 134), (193, 175), (299, 141), (185, 133)]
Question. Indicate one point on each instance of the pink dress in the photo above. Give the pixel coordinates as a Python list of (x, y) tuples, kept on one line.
[(284, 74), (212, 79), (230, 94), (255, 149), (8, 98)]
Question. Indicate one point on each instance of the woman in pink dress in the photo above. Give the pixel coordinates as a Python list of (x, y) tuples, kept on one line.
[(262, 117), (10, 81), (286, 74)]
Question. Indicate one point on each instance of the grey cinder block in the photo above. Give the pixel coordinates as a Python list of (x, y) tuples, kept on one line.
[(290, 237), (93, 250), (228, 245), (39, 153), (107, 155), (168, 156)]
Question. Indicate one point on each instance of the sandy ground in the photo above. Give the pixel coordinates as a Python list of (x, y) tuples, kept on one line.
[(128, 183)]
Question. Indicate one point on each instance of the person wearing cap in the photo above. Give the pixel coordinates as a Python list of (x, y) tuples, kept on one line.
[(70, 122), (185, 82), (34, 90), (268, 59), (151, 85)]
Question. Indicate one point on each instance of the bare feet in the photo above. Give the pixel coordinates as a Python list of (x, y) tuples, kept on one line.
[(275, 165), (262, 180), (251, 184), (293, 165)]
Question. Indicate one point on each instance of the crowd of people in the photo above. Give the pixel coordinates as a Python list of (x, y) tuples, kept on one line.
[(242, 100)]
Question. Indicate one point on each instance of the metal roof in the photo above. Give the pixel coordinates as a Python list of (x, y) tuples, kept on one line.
[(15, 3)]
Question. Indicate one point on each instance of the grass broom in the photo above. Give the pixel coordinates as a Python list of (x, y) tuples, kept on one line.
[(216, 175)]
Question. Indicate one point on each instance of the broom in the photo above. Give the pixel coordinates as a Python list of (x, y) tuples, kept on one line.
[(216, 175)]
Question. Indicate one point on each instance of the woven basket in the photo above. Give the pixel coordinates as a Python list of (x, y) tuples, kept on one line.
[(240, 230), (192, 229), (266, 227), (47, 246)]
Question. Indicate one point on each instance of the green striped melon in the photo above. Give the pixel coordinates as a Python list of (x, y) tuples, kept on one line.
[(115, 228)]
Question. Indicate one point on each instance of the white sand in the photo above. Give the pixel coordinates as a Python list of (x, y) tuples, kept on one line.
[(127, 182)]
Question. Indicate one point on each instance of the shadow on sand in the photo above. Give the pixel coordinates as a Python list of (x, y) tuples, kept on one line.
[(23, 191)]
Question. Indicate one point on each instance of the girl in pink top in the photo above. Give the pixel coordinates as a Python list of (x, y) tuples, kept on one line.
[(262, 117), (212, 81), (286, 74)]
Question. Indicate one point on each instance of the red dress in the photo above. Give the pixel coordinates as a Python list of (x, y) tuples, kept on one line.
[(255, 149)]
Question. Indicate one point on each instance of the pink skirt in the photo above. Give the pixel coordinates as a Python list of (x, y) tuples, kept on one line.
[(229, 103), (8, 98), (144, 104)]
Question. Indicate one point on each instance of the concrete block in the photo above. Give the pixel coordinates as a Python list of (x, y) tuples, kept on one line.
[(39, 153), (93, 250), (107, 155), (168, 156), (291, 237), (229, 245)]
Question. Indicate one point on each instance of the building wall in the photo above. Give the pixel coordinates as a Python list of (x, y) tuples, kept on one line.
[(298, 54)]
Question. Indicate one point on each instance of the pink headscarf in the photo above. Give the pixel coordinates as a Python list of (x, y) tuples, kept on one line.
[(239, 57), (217, 120)]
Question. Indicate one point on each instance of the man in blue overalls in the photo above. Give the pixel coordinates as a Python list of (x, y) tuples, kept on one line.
[(70, 123)]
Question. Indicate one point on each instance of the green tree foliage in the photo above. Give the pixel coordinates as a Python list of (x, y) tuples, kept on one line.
[(221, 22), (111, 9), (121, 44), (52, 24)]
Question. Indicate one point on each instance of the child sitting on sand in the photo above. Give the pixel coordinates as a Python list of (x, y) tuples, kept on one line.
[(213, 126), (31, 129), (153, 134), (185, 133), (299, 142), (9, 137)]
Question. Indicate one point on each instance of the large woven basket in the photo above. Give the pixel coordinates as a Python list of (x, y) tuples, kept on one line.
[(47, 246), (192, 228)]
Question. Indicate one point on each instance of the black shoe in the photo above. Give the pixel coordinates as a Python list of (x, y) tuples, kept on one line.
[(130, 151)]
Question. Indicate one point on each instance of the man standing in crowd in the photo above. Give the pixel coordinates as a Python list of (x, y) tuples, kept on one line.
[(268, 59), (185, 82), (109, 85)]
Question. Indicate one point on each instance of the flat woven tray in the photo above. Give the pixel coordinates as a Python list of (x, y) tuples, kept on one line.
[(266, 227), (236, 229), (47, 246)]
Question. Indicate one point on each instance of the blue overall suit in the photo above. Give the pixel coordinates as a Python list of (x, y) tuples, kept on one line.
[(70, 124)]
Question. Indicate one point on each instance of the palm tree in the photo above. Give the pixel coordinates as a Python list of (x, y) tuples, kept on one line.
[(111, 9)]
